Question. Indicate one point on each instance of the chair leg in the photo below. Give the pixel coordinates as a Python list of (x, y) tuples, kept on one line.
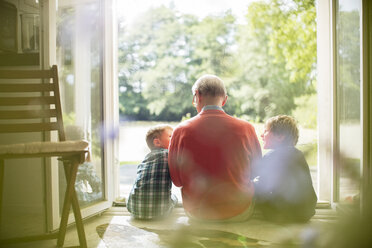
[(78, 219), (70, 173), (1, 188)]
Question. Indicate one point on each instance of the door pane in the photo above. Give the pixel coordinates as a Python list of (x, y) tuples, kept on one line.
[(348, 28), (79, 55)]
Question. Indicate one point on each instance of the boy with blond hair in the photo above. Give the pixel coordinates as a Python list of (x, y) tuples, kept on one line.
[(151, 197), (283, 187)]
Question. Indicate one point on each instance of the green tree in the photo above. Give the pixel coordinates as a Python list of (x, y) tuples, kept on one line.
[(266, 63), (275, 59), (163, 55)]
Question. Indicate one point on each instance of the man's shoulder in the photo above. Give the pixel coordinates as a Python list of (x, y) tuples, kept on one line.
[(221, 117), (240, 122), (186, 124)]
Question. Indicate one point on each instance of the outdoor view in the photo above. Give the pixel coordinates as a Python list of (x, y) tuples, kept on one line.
[(265, 51)]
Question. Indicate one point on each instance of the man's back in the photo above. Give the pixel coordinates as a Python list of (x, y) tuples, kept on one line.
[(210, 157)]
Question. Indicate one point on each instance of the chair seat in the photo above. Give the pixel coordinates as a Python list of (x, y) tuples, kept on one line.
[(62, 147)]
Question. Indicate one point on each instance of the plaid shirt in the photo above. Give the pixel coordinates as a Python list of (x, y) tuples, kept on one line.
[(150, 196)]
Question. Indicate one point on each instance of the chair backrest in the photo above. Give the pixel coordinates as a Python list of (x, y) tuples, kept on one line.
[(33, 106)]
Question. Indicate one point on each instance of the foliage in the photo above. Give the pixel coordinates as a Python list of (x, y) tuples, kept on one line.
[(186, 117), (161, 58), (348, 61), (266, 63), (276, 55), (69, 118), (310, 151), (306, 111)]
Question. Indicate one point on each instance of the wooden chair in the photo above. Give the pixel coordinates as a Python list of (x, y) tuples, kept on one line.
[(36, 107)]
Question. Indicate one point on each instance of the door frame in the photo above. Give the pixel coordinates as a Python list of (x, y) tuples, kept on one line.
[(366, 190)]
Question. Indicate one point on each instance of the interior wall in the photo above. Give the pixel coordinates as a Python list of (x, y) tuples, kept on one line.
[(23, 211)]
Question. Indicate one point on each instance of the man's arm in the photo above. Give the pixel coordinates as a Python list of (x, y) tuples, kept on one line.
[(256, 153), (173, 159), (254, 145)]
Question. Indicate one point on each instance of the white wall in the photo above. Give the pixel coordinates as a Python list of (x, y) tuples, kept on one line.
[(23, 209)]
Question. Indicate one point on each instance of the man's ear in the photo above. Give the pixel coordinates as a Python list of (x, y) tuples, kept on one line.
[(198, 97), (156, 142), (224, 101)]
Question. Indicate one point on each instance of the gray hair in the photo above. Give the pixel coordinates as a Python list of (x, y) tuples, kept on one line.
[(209, 85)]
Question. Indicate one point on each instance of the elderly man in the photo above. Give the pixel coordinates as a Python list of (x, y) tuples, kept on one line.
[(210, 157)]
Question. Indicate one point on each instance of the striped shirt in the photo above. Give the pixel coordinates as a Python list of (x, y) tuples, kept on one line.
[(150, 196)]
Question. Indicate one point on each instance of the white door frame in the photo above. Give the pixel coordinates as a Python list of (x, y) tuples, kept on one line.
[(326, 108)]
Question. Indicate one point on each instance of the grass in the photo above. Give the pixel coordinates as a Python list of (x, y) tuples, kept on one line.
[(307, 141), (129, 162), (310, 151)]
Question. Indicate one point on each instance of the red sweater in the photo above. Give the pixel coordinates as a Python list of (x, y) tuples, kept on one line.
[(210, 157)]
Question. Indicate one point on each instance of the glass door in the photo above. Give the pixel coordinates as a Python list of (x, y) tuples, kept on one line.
[(79, 36), (79, 59), (348, 100)]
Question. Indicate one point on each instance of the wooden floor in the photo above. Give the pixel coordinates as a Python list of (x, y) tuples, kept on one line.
[(115, 228)]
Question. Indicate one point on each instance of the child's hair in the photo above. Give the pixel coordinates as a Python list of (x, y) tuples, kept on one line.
[(155, 132), (284, 125)]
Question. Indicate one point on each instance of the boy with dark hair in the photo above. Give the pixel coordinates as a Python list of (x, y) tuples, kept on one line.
[(283, 187), (151, 197)]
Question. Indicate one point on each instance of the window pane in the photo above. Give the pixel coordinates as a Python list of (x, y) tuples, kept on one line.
[(79, 60), (348, 97)]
